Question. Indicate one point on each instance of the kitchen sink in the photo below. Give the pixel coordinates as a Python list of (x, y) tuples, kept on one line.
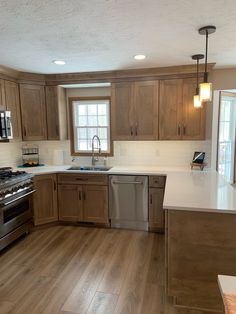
[(92, 168)]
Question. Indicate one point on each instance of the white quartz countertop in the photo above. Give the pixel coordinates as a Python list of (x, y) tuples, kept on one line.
[(185, 189)]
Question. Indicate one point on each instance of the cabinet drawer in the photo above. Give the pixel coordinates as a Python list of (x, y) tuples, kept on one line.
[(157, 181), (82, 179)]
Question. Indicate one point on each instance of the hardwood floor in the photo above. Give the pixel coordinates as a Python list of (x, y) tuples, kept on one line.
[(70, 269)]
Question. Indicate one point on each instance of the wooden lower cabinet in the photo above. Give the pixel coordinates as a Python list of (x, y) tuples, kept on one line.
[(156, 196), (95, 203), (156, 212), (199, 247), (45, 199), (82, 200), (70, 204)]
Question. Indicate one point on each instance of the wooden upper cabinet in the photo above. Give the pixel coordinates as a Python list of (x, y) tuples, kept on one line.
[(2, 96), (33, 110), (56, 113), (170, 109), (13, 105), (146, 110), (122, 115), (178, 119), (134, 110), (193, 118), (45, 199)]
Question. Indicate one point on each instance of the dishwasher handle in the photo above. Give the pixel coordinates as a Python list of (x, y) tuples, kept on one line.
[(127, 182)]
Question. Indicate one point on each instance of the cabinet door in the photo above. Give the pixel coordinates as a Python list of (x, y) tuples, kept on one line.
[(122, 111), (95, 204), (33, 112), (2, 96), (52, 113), (156, 212), (56, 113), (193, 118), (13, 105), (70, 202), (170, 109), (146, 110), (45, 199)]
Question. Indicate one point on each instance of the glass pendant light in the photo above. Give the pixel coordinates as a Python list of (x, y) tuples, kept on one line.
[(196, 98), (206, 87)]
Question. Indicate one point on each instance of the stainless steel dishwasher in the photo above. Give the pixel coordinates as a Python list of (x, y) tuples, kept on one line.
[(128, 202)]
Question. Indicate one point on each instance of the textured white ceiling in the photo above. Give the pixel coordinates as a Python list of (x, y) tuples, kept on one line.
[(97, 35)]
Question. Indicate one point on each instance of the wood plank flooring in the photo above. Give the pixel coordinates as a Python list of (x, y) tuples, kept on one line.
[(70, 269)]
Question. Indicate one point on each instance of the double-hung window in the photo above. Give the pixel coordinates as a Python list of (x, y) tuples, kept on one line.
[(89, 117)]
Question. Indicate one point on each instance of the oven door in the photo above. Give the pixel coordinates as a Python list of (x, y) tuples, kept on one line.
[(15, 212)]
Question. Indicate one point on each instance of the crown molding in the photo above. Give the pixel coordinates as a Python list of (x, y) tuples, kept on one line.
[(180, 71)]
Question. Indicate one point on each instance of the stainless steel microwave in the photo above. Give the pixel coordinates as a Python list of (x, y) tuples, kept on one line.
[(5, 126)]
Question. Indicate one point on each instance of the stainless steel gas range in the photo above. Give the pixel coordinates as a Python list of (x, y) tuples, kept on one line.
[(16, 189)]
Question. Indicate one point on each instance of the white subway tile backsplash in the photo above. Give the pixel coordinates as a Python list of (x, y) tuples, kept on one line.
[(159, 153)]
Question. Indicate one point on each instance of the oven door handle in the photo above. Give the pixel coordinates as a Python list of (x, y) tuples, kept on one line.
[(18, 198)]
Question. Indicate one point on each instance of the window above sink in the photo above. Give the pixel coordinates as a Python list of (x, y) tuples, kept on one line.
[(90, 116)]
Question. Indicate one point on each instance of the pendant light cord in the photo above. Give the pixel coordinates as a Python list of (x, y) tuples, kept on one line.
[(206, 74), (197, 89)]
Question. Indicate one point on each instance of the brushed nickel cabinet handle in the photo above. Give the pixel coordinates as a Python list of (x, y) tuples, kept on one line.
[(136, 130), (151, 199), (24, 131), (131, 131), (184, 129), (57, 130), (81, 179), (178, 129)]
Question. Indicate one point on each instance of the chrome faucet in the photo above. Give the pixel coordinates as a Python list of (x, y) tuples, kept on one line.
[(95, 159)]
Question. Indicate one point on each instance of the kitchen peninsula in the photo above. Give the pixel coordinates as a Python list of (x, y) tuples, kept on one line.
[(200, 231)]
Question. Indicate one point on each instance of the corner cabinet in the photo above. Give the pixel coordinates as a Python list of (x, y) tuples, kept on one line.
[(56, 113), (134, 110), (45, 199), (83, 198), (33, 110), (178, 119)]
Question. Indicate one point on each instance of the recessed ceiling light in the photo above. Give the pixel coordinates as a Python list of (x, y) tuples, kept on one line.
[(139, 57), (59, 62)]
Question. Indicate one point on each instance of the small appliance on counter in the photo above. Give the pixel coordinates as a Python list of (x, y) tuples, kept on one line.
[(30, 156), (198, 160)]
